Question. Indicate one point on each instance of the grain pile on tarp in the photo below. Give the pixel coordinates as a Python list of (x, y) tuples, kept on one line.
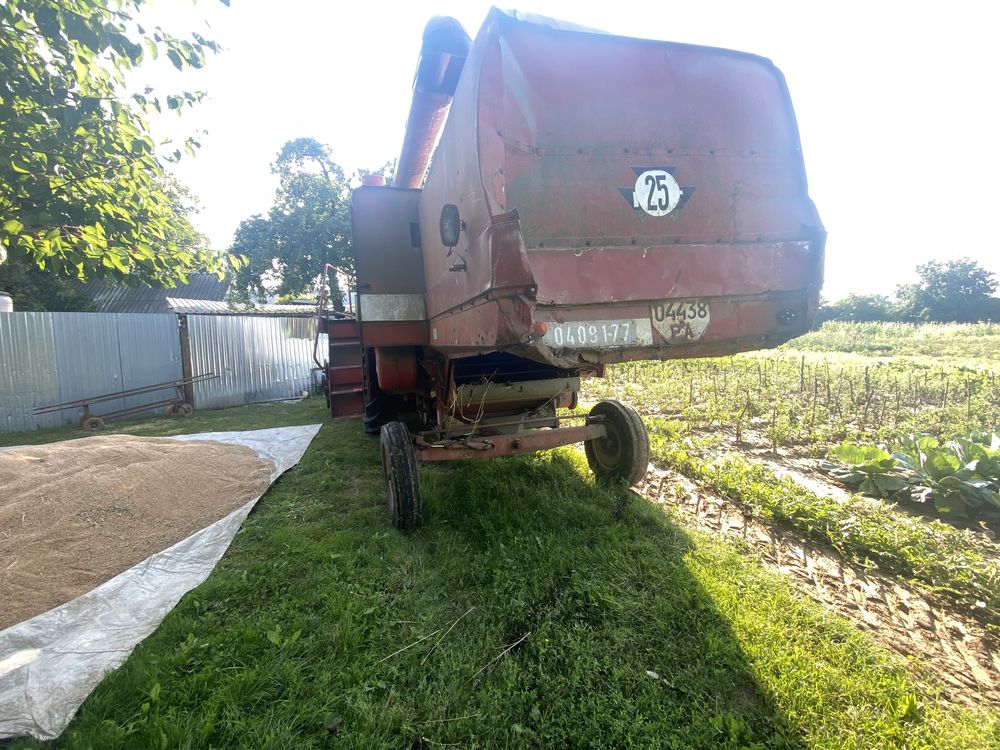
[(76, 513), (49, 663)]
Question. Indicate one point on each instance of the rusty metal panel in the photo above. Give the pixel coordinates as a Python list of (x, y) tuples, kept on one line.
[(631, 171), (715, 126), (385, 258), (257, 359), (508, 445)]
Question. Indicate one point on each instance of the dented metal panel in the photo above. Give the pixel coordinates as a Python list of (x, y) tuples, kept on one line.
[(591, 192)]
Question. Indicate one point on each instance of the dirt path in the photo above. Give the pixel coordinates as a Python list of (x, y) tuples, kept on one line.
[(964, 659)]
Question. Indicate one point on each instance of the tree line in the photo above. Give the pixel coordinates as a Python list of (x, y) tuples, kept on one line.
[(947, 291)]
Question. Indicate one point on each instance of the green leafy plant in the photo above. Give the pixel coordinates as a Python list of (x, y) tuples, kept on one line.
[(960, 476), (948, 475), (82, 181), (869, 468)]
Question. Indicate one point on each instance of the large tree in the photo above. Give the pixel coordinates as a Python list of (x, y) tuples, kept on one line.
[(81, 184), (308, 226), (958, 291)]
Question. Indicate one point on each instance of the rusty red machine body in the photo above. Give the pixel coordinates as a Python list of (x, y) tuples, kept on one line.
[(591, 199)]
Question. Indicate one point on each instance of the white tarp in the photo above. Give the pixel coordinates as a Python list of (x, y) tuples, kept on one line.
[(50, 663)]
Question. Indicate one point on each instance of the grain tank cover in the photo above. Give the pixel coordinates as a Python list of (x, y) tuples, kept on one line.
[(566, 119), (606, 179)]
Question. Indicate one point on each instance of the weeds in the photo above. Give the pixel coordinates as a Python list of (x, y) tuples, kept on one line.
[(943, 559), (792, 401)]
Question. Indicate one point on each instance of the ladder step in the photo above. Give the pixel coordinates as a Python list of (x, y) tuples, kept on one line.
[(345, 375), (346, 390)]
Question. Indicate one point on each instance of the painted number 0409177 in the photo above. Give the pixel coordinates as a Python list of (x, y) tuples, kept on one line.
[(600, 334)]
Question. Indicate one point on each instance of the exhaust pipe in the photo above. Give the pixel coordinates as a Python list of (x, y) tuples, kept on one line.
[(442, 57)]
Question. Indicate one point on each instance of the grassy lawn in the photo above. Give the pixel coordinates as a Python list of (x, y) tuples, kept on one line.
[(534, 609), (955, 343)]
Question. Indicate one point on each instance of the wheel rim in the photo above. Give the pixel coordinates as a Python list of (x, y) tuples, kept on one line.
[(609, 451)]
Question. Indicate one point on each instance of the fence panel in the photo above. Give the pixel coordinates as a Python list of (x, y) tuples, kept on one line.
[(28, 375), (256, 358), (48, 358), (151, 353)]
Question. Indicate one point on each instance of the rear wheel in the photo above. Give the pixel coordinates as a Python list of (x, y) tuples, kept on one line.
[(399, 469), (624, 452)]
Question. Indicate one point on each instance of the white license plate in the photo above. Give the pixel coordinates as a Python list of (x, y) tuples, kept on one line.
[(598, 334)]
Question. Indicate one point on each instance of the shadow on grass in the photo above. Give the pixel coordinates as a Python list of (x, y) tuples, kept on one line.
[(611, 639), (534, 609)]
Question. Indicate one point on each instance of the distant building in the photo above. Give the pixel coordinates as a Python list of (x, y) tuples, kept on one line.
[(204, 294), (116, 298)]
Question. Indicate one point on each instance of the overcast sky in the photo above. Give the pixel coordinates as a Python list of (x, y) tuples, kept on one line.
[(896, 105)]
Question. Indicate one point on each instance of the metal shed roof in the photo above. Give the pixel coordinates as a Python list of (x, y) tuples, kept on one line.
[(144, 299)]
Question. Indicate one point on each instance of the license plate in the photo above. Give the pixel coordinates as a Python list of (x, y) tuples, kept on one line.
[(681, 321), (598, 334)]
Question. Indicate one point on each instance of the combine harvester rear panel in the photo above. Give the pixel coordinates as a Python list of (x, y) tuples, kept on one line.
[(592, 199)]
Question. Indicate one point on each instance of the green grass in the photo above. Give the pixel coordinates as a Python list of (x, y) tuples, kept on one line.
[(970, 344), (254, 417), (940, 558), (543, 600)]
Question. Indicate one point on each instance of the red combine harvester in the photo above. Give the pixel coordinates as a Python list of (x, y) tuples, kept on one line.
[(592, 199)]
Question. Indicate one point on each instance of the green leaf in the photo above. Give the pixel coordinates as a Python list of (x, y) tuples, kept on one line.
[(175, 58), (13, 226)]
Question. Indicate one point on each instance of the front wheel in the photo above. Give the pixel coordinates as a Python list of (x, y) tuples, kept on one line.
[(92, 423), (624, 452), (399, 469)]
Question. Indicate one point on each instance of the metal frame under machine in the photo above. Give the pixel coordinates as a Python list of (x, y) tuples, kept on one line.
[(574, 215)]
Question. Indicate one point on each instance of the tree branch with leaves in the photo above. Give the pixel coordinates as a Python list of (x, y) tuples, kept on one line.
[(83, 191)]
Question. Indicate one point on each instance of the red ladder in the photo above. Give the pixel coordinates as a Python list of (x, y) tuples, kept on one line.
[(344, 372)]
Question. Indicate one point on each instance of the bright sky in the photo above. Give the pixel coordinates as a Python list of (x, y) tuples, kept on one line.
[(896, 105)]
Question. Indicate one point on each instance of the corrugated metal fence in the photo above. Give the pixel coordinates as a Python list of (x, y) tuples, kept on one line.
[(256, 358), (48, 358)]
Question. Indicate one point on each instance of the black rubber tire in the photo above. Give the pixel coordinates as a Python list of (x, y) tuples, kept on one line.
[(92, 424), (624, 452), (185, 410), (378, 405), (399, 470)]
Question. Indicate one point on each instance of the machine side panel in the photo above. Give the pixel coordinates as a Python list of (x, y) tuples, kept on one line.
[(384, 254)]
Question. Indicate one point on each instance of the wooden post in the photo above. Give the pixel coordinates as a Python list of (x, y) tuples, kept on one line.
[(186, 371)]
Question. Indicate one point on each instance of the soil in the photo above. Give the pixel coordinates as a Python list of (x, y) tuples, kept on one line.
[(76, 513), (931, 637)]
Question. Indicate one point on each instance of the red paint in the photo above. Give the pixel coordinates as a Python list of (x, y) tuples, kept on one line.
[(509, 445)]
